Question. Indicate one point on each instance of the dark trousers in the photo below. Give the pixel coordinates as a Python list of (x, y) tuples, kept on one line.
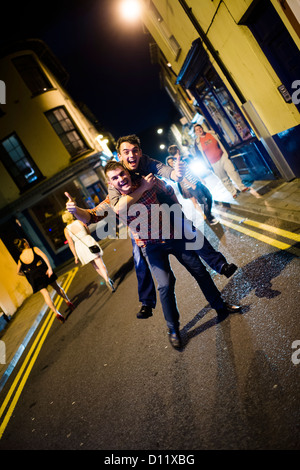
[(213, 258), (146, 286), (157, 255), (203, 196)]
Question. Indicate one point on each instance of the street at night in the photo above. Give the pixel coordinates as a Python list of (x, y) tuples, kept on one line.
[(117, 116), (106, 380)]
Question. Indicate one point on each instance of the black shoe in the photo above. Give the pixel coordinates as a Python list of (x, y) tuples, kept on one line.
[(145, 312), (233, 308), (228, 269), (175, 339), (227, 309)]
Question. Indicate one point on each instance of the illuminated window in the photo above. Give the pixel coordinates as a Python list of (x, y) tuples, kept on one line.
[(66, 131), (18, 163), (32, 74)]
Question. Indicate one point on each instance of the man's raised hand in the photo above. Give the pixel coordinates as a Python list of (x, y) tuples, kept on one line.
[(148, 181), (179, 168), (70, 204), (79, 213)]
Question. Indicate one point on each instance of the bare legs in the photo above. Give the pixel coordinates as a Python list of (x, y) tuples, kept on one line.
[(101, 269), (60, 291), (51, 305)]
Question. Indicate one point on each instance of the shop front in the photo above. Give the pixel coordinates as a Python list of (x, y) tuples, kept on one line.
[(220, 113), (38, 216)]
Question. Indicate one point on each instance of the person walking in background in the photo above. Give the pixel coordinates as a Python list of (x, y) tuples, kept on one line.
[(192, 188), (80, 240), (35, 265), (218, 159)]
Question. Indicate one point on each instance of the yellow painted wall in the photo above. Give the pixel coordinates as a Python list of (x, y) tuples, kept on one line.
[(14, 289), (252, 71), (238, 50), (24, 115)]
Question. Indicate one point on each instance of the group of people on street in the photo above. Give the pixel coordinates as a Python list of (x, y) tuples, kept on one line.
[(191, 187), (136, 178)]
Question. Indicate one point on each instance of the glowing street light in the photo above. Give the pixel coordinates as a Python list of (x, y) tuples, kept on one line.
[(130, 10)]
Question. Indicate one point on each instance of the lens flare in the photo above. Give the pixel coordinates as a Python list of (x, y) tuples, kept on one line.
[(198, 168)]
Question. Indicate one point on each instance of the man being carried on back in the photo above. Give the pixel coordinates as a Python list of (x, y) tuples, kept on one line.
[(157, 249)]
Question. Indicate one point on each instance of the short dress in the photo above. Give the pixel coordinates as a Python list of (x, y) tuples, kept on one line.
[(35, 273), (82, 240)]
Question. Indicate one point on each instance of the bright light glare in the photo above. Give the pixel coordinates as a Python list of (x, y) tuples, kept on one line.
[(130, 10), (198, 168), (159, 131)]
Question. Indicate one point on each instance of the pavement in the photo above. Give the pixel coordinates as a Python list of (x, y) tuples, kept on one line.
[(274, 199)]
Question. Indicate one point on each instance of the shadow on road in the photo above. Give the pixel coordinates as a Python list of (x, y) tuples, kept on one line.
[(124, 270), (82, 295), (256, 275)]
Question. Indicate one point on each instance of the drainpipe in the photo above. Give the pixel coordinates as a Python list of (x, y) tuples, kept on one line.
[(211, 49)]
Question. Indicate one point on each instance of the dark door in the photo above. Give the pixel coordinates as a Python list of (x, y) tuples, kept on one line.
[(276, 42)]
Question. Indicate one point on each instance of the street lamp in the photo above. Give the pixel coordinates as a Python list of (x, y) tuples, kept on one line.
[(130, 10)]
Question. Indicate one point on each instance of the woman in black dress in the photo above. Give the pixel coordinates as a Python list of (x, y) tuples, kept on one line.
[(35, 265)]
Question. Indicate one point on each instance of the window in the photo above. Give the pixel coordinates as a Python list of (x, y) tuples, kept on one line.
[(66, 131), (32, 74), (164, 30), (18, 163)]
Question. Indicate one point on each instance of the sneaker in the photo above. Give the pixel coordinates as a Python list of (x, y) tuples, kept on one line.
[(145, 312), (110, 285), (213, 221), (245, 189)]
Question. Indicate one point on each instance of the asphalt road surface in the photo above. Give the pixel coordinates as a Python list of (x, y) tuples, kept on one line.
[(108, 381)]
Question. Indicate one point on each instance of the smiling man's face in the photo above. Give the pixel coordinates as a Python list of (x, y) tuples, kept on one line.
[(120, 180), (130, 155)]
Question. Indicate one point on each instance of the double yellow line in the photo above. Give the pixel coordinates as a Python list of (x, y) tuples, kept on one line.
[(23, 374), (259, 236)]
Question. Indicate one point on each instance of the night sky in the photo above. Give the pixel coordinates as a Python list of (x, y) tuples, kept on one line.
[(108, 62)]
